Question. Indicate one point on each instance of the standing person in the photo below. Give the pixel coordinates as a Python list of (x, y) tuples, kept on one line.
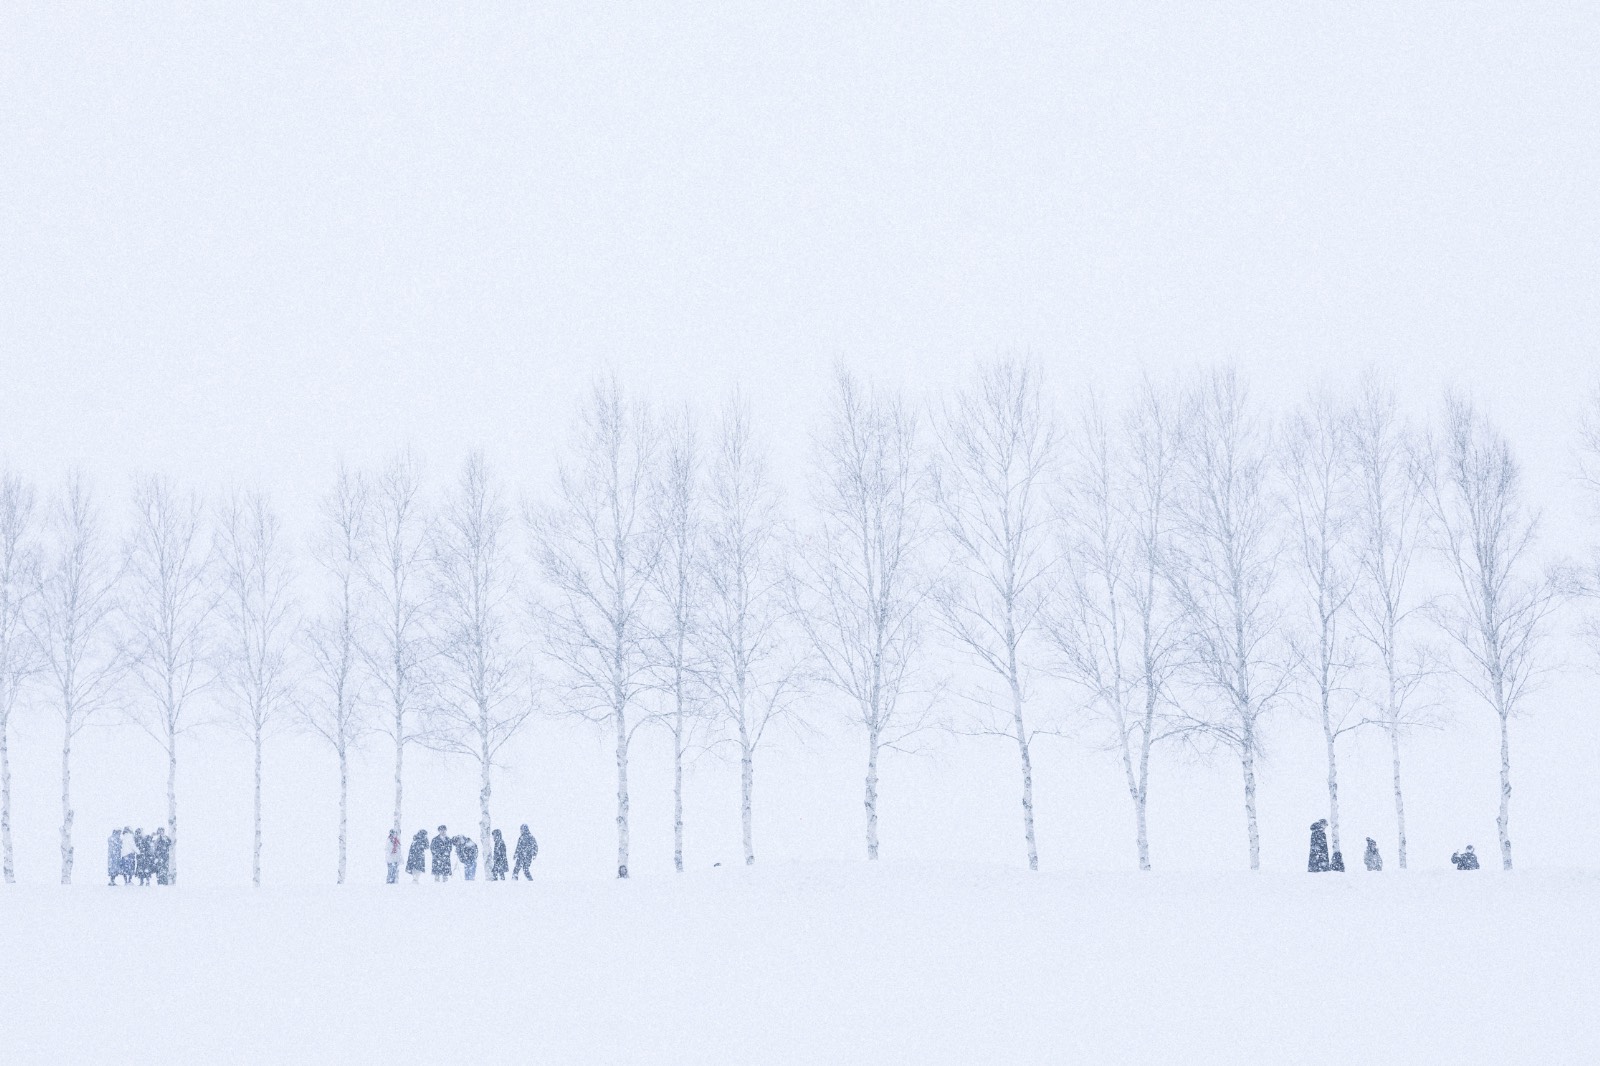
[(468, 850), (130, 855), (144, 857), (527, 851), (161, 862), (441, 847), (1318, 862), (1374, 860), (392, 857), (497, 858), (417, 860), (114, 855)]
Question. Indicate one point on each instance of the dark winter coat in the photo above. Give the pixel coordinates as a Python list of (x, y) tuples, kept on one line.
[(417, 858), (467, 850), (441, 847), (1337, 865), (497, 862), (1465, 860), (527, 849), (163, 859), (1374, 860), (145, 865), (1318, 863)]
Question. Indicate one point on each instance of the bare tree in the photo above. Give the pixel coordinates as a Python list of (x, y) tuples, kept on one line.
[(1115, 627), (678, 596), (751, 664), (336, 708), (259, 609), (1390, 525), (484, 698), (1226, 559), (396, 644), (859, 580), (75, 628), (169, 605), (19, 659), (1496, 615), (1322, 497), (598, 550), (998, 446)]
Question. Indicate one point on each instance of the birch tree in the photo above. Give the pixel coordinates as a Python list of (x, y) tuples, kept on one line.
[(74, 627), (1496, 613), (170, 602), (1116, 627), (859, 581), (598, 551), (678, 584), (336, 707), (1226, 560), (397, 641), (259, 612), (1391, 522), (19, 659), (997, 451), (1320, 478), (483, 696), (751, 665)]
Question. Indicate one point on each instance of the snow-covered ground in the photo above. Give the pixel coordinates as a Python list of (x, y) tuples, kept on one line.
[(838, 963)]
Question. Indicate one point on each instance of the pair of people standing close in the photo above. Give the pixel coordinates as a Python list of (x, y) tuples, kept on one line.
[(130, 853), (443, 849)]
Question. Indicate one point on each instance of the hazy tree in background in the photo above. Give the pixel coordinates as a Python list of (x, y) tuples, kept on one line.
[(678, 602), (998, 446), (750, 658), (598, 550), (1390, 525), (258, 608), (395, 568), (336, 707), (1225, 569), (169, 601), (483, 694), (1321, 483), (859, 580), (1498, 608), (74, 626), (1116, 627), (19, 659)]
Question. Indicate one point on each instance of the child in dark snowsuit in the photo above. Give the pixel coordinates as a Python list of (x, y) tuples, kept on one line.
[(497, 859), (417, 857), (1318, 863), (527, 851)]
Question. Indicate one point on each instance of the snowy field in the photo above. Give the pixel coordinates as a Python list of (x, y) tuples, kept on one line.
[(845, 963)]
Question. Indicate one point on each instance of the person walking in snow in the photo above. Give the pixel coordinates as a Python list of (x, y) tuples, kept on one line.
[(1318, 863), (130, 855), (497, 858), (442, 846), (114, 855), (527, 851), (1374, 860), (1465, 860), (391, 856), (417, 859), (468, 851), (161, 857)]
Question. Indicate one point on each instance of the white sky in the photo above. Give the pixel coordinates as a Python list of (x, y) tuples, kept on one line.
[(237, 245)]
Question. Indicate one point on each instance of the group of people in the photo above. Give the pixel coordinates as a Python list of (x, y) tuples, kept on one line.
[(1322, 862), (444, 849), (131, 853)]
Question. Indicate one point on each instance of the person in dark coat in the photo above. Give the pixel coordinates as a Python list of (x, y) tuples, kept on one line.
[(145, 862), (1336, 864), (417, 858), (1318, 863), (1374, 860), (467, 849), (114, 855), (442, 846), (527, 851), (161, 864), (1465, 860), (497, 859), (130, 855)]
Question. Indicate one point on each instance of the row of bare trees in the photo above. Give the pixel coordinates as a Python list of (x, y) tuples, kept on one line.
[(1182, 569)]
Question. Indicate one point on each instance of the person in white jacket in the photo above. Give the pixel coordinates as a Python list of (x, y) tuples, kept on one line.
[(393, 857)]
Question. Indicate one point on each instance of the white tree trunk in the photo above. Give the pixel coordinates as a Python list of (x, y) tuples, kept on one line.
[(172, 809), (5, 806), (399, 767), (255, 853), (1503, 822), (872, 794), (1027, 770), (677, 800), (622, 791), (1399, 801), (486, 844), (746, 787), (1248, 762), (66, 807), (1329, 738), (344, 807)]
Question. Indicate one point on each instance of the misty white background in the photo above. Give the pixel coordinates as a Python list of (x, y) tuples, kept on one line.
[(239, 246)]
